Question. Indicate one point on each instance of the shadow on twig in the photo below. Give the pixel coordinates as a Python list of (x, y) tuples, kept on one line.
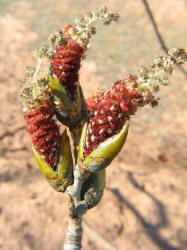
[(150, 229)]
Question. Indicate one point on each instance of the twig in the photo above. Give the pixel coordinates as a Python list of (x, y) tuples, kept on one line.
[(77, 209), (159, 36)]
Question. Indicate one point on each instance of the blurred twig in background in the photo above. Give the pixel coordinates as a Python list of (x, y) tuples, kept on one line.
[(159, 36), (100, 238)]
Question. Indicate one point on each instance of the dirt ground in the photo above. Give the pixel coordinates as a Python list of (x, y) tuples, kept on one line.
[(144, 204)]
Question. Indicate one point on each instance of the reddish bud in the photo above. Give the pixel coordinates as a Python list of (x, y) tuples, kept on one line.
[(109, 109), (66, 63), (44, 131)]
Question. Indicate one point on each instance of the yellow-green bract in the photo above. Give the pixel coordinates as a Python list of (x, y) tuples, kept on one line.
[(68, 111), (93, 188), (60, 178), (105, 152)]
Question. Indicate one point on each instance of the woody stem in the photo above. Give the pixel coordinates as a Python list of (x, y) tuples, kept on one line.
[(74, 234), (77, 208)]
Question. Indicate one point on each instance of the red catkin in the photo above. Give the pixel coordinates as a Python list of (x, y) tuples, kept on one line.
[(109, 109), (44, 131), (66, 63)]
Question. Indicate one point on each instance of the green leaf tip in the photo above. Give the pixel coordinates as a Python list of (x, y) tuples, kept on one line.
[(65, 160), (59, 93)]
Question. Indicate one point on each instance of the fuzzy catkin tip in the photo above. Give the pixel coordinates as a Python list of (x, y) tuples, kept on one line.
[(84, 25), (153, 77)]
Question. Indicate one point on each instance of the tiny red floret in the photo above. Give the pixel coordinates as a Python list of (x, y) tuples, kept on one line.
[(66, 63), (44, 131)]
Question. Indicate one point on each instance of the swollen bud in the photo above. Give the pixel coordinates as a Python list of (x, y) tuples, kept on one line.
[(66, 62), (60, 176), (104, 153), (93, 188)]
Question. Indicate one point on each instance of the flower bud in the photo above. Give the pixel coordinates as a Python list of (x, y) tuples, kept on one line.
[(62, 176), (43, 130), (66, 63), (104, 153), (52, 151), (109, 109)]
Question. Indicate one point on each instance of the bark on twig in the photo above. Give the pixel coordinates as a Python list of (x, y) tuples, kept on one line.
[(77, 208), (74, 234)]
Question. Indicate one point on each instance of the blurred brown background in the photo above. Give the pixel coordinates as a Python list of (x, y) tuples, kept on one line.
[(144, 204)]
